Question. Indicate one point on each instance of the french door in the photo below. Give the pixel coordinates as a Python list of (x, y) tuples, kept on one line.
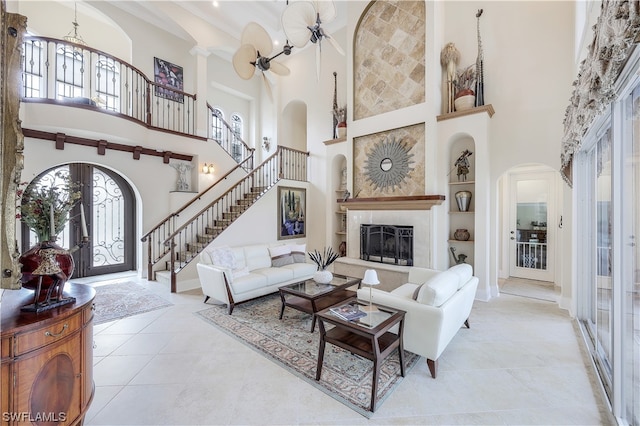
[(532, 225), (109, 207)]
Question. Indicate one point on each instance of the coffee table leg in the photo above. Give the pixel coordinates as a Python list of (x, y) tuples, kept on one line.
[(313, 322), (282, 308), (374, 385), (320, 349)]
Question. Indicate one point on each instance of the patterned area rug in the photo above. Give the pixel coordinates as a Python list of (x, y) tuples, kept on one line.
[(288, 342), (120, 300)]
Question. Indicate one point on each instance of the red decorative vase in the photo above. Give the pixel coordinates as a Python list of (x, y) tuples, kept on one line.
[(38, 263)]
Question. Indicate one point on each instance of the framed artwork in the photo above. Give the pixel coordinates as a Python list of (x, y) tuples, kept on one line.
[(170, 75), (291, 212)]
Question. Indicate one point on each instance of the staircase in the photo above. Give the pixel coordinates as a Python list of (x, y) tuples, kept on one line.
[(175, 247)]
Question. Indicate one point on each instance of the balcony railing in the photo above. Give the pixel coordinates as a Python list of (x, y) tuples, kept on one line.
[(57, 71)]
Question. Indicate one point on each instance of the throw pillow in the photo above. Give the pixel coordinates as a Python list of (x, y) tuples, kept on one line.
[(417, 291), (299, 252), (280, 255), (223, 256)]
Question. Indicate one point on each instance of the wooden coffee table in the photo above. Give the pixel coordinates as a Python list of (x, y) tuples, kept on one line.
[(310, 297), (368, 337)]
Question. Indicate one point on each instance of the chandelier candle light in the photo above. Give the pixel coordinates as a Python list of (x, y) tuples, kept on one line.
[(370, 278)]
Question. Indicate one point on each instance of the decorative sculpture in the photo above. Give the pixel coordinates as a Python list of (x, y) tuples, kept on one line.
[(462, 163), (479, 66), (449, 58), (183, 180), (458, 259)]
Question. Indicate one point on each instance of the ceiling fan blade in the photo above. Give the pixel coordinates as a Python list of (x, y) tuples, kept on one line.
[(334, 43), (326, 9), (258, 37), (279, 69), (243, 61), (267, 86), (296, 19)]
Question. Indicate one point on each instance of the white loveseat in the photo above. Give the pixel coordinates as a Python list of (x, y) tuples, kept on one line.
[(437, 303), (236, 274)]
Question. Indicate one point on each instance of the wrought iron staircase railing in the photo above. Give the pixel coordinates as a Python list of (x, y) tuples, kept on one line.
[(188, 240)]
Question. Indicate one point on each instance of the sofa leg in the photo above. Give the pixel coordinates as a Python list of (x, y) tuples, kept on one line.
[(206, 298), (433, 367), (467, 323), (231, 306)]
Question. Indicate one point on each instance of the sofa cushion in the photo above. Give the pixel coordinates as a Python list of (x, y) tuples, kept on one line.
[(249, 282), (299, 252), (406, 290), (301, 269), (280, 255), (275, 275), (257, 256), (438, 289), (464, 271)]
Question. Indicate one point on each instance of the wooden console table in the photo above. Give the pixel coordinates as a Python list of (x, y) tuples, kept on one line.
[(47, 359)]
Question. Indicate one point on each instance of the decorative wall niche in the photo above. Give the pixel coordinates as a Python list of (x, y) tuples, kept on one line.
[(389, 65), (389, 163)]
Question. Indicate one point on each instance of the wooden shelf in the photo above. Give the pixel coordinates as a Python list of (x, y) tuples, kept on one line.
[(341, 233), (466, 182), (461, 241), (484, 108), (456, 212), (332, 141), (410, 202)]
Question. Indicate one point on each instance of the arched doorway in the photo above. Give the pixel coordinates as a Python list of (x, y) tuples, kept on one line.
[(109, 206)]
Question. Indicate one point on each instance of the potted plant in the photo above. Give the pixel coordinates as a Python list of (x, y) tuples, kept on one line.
[(465, 96), (322, 260)]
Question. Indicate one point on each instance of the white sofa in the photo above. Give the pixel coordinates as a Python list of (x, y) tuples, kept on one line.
[(237, 274), (437, 303)]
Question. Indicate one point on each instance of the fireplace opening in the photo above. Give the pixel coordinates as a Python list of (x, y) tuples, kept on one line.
[(387, 244)]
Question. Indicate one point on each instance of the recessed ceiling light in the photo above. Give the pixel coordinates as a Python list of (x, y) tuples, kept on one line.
[(215, 3)]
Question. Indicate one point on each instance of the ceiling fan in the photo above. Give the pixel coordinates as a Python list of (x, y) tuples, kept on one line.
[(302, 20), (254, 51)]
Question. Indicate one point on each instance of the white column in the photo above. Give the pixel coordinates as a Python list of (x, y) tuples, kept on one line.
[(201, 112)]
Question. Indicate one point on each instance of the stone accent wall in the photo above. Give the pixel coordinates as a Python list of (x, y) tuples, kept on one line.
[(389, 50), (406, 168)]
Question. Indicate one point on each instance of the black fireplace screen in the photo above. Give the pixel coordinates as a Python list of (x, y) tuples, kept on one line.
[(387, 244)]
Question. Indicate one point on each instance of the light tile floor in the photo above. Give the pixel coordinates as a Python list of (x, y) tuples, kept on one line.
[(520, 363)]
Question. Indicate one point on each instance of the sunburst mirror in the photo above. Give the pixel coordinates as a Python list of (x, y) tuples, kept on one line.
[(388, 164)]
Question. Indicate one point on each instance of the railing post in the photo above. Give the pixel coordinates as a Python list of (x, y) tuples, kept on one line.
[(172, 265), (148, 104), (150, 276)]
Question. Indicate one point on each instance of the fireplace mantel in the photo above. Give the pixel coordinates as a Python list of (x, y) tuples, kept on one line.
[(410, 202)]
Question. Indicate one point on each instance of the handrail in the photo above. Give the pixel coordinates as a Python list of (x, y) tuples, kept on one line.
[(57, 71), (198, 231), (169, 223)]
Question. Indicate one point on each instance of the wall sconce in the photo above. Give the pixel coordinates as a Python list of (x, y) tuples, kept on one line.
[(266, 143), (207, 169)]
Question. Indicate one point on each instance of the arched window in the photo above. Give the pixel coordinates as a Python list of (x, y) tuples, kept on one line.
[(236, 125), (216, 125), (108, 84), (236, 143), (69, 72)]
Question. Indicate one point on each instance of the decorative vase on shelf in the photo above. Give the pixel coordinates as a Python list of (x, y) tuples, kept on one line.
[(465, 99), (461, 234), (463, 199), (341, 129), (323, 276), (45, 269)]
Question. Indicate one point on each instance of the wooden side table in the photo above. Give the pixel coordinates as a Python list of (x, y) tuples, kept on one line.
[(368, 337), (47, 359)]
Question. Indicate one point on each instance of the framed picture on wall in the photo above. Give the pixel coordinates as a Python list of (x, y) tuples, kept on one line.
[(169, 75), (292, 207)]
